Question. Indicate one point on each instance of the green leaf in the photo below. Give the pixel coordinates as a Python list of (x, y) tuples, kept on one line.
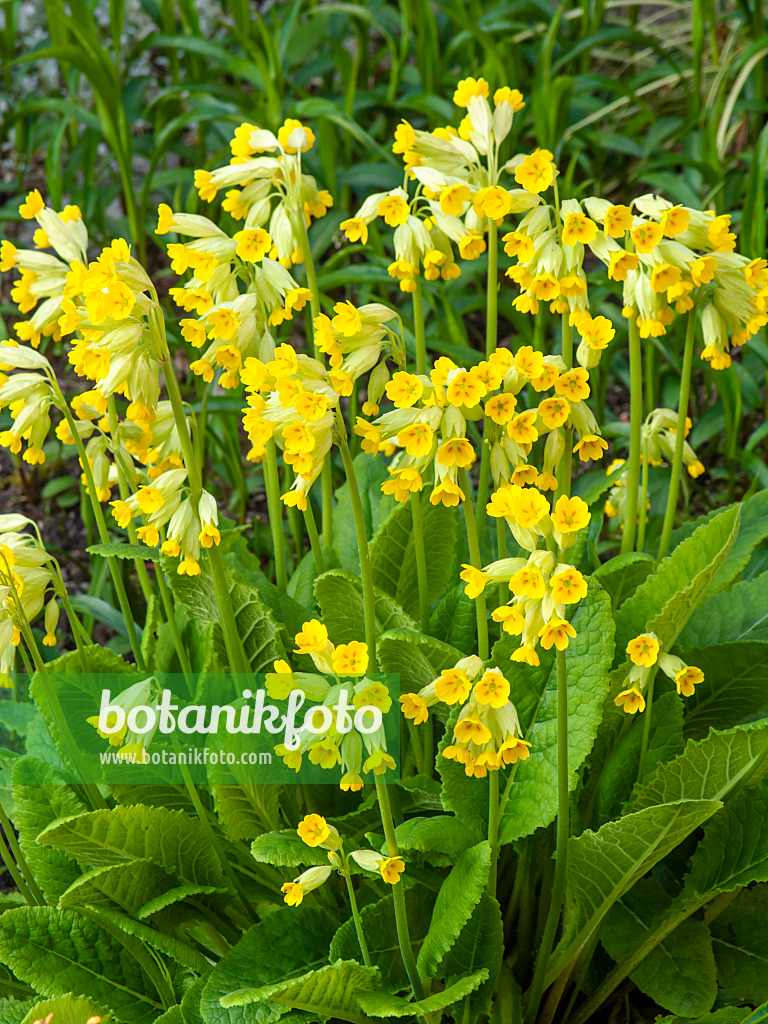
[(532, 799), (259, 633), (707, 769), (622, 575), (416, 658), (285, 944), (184, 955), (332, 991), (454, 620), (444, 835), (370, 472), (382, 1004), (116, 549), (734, 850), (459, 895), (16, 1011), (340, 597), (66, 1010), (393, 553), (40, 798), (679, 973), (104, 612), (603, 865), (740, 613), (246, 809), (171, 839), (734, 686), (286, 849), (754, 529), (380, 930), (59, 952), (619, 770), (740, 943), (286, 611), (668, 597), (480, 945)]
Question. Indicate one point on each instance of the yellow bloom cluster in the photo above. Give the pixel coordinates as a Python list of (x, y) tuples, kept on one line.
[(330, 743), (271, 194), (429, 423), (25, 578), (486, 735), (315, 831), (457, 174), (541, 587), (645, 652)]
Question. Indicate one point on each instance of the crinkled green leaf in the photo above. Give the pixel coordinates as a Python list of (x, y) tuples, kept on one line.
[(623, 574), (416, 658), (707, 769), (735, 685), (740, 944), (286, 849), (679, 973), (444, 835), (59, 952), (331, 991), (459, 895), (603, 865), (667, 598), (454, 620), (393, 553), (285, 944), (65, 1010), (738, 614), (382, 1004), (171, 839), (480, 945), (340, 597)]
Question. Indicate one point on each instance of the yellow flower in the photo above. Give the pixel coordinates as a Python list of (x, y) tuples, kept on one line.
[(446, 493), (32, 205), (512, 96), (618, 220), (534, 173), (501, 408), (471, 729), (351, 659), (557, 631), (621, 263), (526, 654), (293, 134), (664, 276), (222, 324), (631, 700), (529, 362), (471, 246), (492, 689), (394, 210), (521, 429), (570, 514), (149, 499), (529, 507), (458, 451), (467, 88), (465, 389), (312, 637), (687, 679), (494, 202), (348, 320), (164, 219), (643, 650), (597, 331), (253, 244), (590, 446), (475, 579), (391, 868), (313, 829), (417, 439), (453, 198), (568, 586), (511, 618), (578, 228), (647, 236), (554, 412), (573, 385), (674, 221), (404, 389), (355, 229), (452, 686), (528, 582), (414, 707)]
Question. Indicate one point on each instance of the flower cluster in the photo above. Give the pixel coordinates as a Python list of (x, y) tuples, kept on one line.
[(645, 652), (541, 588), (486, 733), (25, 579), (315, 831), (432, 413), (133, 746), (456, 172), (329, 743)]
